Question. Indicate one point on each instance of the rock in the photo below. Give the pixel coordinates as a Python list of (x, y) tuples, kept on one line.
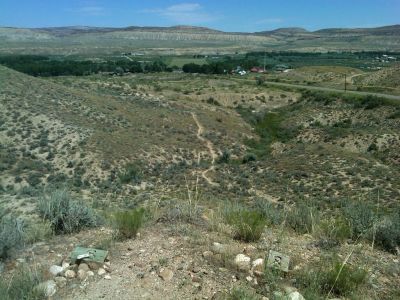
[(90, 273), (82, 275), (295, 296), (94, 266), (166, 274), (207, 254), (218, 248), (70, 274), (249, 250), (196, 269), (242, 262), (49, 287), (107, 268), (60, 281), (257, 267), (65, 265), (196, 279), (101, 272), (107, 277), (278, 295), (140, 275), (249, 278), (55, 270), (83, 267)]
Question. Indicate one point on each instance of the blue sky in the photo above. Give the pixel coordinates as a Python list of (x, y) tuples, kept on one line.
[(228, 15)]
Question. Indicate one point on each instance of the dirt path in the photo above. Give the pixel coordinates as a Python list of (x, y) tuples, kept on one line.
[(325, 89), (210, 148)]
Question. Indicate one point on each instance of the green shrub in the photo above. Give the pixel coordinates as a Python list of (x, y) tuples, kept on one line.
[(270, 212), (128, 223), (11, 234), (22, 286), (361, 218), (65, 214), (39, 231), (248, 225), (331, 276), (241, 294), (131, 174), (387, 234), (212, 101), (334, 229), (303, 217), (224, 158), (369, 102), (249, 157)]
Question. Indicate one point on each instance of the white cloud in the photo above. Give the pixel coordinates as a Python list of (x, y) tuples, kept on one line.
[(183, 13)]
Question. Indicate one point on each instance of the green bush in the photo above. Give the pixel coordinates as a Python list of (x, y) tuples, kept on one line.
[(270, 212), (224, 158), (12, 231), (248, 225), (331, 276), (22, 286), (369, 102), (387, 234), (128, 223), (334, 229), (249, 157), (131, 174), (65, 214), (241, 294), (303, 217), (38, 231), (361, 218)]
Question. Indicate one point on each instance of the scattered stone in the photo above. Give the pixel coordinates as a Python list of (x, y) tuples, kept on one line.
[(249, 250), (90, 273), (65, 265), (207, 254), (107, 277), (242, 262), (295, 296), (70, 274), (49, 287), (55, 270), (140, 275), (218, 248), (257, 267), (278, 261), (60, 281), (166, 274), (82, 275), (101, 272), (249, 278), (94, 266), (196, 279), (196, 269), (83, 267)]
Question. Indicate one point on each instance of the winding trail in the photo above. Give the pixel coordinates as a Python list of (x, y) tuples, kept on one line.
[(210, 148)]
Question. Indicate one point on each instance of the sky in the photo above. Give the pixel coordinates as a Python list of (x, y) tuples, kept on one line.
[(227, 15)]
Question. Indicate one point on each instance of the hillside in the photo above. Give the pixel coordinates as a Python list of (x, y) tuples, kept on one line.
[(190, 39), (214, 172)]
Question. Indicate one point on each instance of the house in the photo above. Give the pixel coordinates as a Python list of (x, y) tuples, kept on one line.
[(257, 70)]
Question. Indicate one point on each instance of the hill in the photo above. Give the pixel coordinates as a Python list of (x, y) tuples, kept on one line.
[(190, 39), (190, 181)]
